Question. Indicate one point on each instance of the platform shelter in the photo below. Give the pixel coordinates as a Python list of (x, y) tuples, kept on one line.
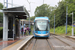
[(11, 21)]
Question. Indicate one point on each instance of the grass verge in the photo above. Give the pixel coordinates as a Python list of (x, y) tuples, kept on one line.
[(61, 30)]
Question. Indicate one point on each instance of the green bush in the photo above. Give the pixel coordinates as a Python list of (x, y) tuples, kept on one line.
[(62, 30)]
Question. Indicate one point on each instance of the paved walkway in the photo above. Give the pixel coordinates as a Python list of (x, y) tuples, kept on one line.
[(0, 39), (19, 44), (4, 44)]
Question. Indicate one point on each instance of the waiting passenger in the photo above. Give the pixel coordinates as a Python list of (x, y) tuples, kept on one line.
[(29, 30), (25, 30), (22, 31)]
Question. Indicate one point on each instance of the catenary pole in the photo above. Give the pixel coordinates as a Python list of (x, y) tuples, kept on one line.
[(30, 11), (54, 23), (66, 17), (6, 3), (72, 25)]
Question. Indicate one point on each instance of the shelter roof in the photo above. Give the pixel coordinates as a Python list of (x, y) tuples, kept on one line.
[(19, 11)]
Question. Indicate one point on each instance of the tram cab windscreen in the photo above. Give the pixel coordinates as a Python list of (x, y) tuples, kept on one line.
[(41, 25)]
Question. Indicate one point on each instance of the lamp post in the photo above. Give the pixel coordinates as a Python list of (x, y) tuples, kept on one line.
[(72, 24)]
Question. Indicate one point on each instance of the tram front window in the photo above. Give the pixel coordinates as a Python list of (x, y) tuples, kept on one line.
[(41, 25)]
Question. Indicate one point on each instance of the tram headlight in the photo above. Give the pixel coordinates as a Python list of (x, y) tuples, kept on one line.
[(47, 33), (35, 33)]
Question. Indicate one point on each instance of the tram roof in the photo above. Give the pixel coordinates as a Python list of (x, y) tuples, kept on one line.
[(16, 11), (45, 18)]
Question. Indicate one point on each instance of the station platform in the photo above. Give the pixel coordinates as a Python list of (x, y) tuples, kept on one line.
[(4, 44), (16, 44)]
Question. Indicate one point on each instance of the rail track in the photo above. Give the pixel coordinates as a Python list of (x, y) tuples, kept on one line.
[(67, 44), (53, 43), (48, 43), (34, 44)]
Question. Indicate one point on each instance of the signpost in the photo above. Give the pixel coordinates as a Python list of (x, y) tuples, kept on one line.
[(74, 23)]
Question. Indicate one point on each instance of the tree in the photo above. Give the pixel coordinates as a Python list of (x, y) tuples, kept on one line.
[(32, 18), (71, 7), (1, 14), (43, 10), (59, 11), (60, 14)]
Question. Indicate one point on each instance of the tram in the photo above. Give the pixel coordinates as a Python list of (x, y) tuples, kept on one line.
[(41, 27)]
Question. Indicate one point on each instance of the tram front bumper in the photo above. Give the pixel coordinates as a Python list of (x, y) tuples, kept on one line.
[(41, 34)]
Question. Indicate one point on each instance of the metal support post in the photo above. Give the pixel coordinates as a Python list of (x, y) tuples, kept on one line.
[(5, 27), (66, 17), (54, 23), (43, 1), (19, 29), (72, 25), (22, 23), (29, 15), (29, 21), (6, 3), (12, 3), (13, 27), (30, 11)]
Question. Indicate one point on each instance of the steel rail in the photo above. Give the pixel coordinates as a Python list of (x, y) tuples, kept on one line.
[(49, 45), (34, 44), (63, 42)]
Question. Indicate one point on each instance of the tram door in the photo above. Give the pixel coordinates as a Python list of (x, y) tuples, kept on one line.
[(10, 27)]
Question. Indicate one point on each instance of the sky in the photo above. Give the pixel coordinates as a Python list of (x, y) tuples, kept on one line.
[(33, 4)]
